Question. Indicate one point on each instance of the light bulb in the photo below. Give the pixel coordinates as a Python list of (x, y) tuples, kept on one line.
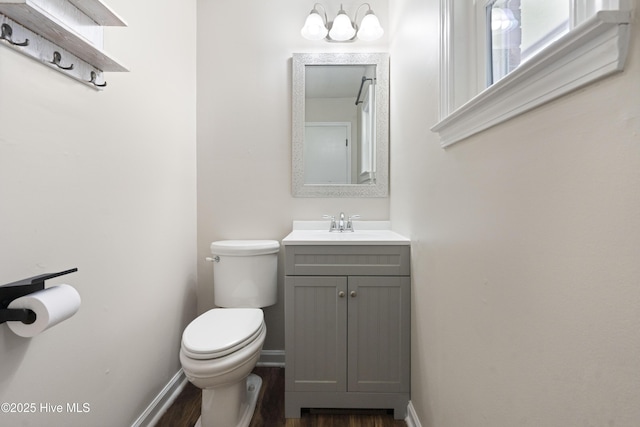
[(502, 20), (314, 27), (497, 16), (342, 30), (370, 28)]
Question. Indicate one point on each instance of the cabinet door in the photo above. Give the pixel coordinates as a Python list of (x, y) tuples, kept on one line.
[(315, 333), (379, 334)]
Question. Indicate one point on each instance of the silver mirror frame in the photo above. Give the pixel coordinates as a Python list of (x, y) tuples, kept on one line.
[(381, 186)]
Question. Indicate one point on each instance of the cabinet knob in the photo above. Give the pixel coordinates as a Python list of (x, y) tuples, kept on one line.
[(341, 294), (353, 294)]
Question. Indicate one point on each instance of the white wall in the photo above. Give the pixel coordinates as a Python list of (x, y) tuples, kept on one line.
[(105, 182), (525, 237), (525, 249), (244, 130)]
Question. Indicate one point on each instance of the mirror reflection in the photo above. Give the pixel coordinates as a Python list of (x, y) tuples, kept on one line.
[(340, 125)]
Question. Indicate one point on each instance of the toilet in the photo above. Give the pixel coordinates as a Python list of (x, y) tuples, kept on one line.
[(221, 347)]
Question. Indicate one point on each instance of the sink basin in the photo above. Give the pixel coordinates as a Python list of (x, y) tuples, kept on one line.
[(366, 233)]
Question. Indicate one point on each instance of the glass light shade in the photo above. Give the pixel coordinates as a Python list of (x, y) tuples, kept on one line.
[(314, 27), (502, 20), (370, 28), (513, 22), (498, 19), (342, 30)]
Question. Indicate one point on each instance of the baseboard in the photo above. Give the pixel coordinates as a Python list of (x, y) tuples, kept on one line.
[(412, 418), (268, 358), (271, 358), (163, 400)]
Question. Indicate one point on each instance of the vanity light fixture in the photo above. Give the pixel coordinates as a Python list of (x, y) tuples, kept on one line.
[(341, 29)]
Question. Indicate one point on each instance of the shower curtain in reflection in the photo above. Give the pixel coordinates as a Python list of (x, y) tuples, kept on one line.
[(366, 135)]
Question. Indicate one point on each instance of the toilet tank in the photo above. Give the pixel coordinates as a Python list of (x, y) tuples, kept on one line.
[(245, 274)]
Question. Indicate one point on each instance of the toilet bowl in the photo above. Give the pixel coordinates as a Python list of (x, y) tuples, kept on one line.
[(221, 347), (220, 364)]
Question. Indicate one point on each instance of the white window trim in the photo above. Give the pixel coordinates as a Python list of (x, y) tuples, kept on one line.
[(593, 50)]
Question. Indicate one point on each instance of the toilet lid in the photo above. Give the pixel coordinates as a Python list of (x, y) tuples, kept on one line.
[(245, 247), (221, 331)]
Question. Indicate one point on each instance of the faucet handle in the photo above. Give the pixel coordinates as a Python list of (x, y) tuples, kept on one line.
[(332, 226), (349, 223)]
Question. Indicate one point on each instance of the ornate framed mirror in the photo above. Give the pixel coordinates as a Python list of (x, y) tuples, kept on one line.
[(340, 112)]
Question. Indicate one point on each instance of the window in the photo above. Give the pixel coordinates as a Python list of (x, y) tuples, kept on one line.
[(526, 53), (515, 30)]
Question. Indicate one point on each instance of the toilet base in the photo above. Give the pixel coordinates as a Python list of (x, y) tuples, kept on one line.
[(253, 384)]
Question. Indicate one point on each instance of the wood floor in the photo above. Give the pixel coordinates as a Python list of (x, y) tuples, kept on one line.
[(270, 409)]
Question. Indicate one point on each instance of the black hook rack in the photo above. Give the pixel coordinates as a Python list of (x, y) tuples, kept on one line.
[(6, 33), (93, 80), (57, 57), (18, 289)]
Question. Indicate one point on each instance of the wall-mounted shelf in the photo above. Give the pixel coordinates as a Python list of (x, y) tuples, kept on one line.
[(99, 12), (71, 29)]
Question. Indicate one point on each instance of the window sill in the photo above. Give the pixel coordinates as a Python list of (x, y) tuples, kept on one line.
[(593, 50)]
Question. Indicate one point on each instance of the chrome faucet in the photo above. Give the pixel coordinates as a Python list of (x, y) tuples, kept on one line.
[(342, 224), (350, 222), (332, 225)]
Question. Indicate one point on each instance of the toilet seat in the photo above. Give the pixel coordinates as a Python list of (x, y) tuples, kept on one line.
[(221, 331), (245, 247)]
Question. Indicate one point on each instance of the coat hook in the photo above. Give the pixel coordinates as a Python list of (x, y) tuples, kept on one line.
[(57, 57), (7, 34), (93, 80)]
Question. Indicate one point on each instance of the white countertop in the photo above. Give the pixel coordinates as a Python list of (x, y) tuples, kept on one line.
[(366, 233)]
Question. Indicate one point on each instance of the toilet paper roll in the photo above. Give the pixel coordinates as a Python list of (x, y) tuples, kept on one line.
[(51, 305)]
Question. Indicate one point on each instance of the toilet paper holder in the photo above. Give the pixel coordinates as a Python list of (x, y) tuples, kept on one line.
[(18, 289)]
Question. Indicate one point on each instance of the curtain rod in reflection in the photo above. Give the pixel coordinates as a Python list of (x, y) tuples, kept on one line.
[(364, 79)]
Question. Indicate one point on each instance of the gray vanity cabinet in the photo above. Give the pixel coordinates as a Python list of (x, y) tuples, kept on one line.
[(347, 327)]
